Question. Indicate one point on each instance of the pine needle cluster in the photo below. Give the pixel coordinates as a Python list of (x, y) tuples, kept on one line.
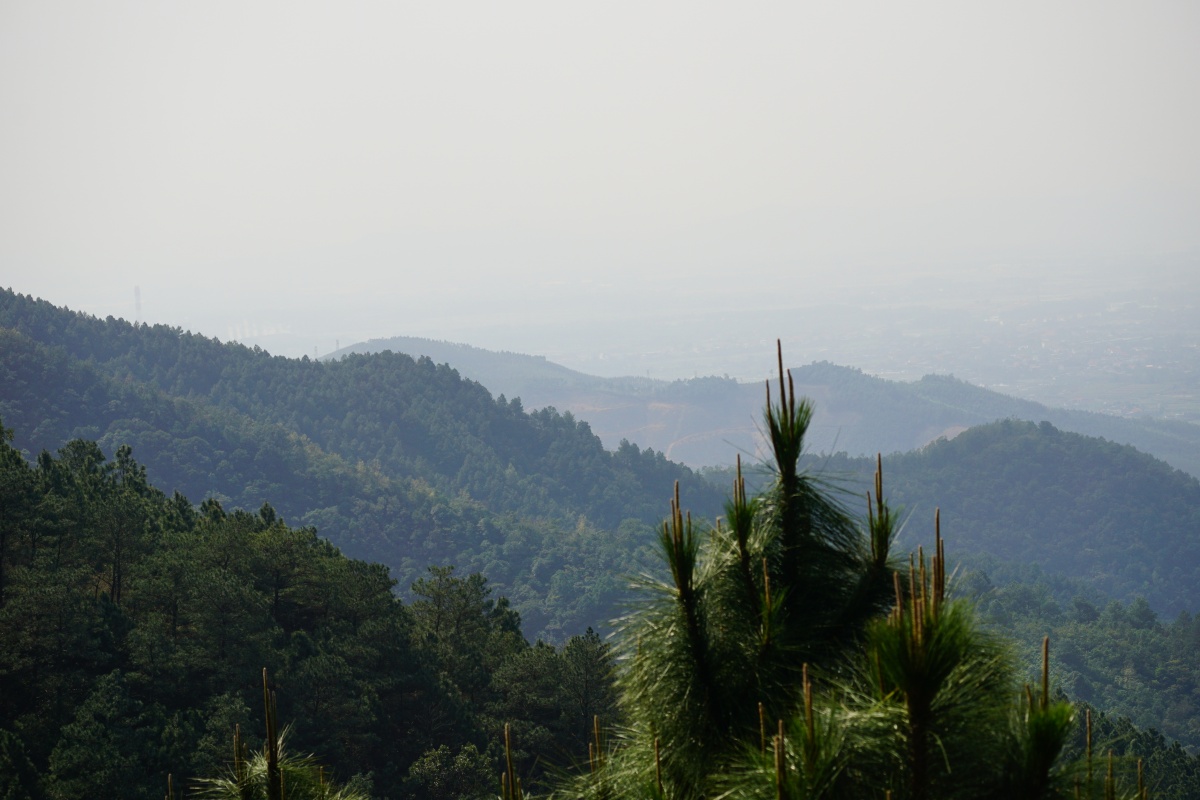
[(272, 773), (791, 656)]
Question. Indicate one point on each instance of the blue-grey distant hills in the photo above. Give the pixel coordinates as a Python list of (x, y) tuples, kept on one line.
[(391, 458), (707, 421), (410, 463)]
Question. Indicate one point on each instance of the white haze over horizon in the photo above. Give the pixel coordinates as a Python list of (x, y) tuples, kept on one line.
[(565, 178)]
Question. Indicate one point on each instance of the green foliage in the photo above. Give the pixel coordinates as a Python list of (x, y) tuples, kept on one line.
[(131, 630), (787, 583), (133, 625), (108, 747), (920, 703), (1169, 772), (1032, 766), (949, 687), (468, 631), (273, 772), (586, 684), (394, 459), (1116, 656), (1034, 495), (301, 776), (441, 775), (109, 684), (18, 776)]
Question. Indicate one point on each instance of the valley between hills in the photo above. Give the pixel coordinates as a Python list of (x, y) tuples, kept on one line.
[(549, 486)]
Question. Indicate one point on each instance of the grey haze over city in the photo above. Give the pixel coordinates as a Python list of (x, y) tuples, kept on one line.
[(1006, 191)]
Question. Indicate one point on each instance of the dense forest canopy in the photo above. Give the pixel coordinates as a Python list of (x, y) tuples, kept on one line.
[(411, 417), (145, 623), (1121, 657), (1082, 507), (393, 459), (401, 461), (1076, 506), (791, 654), (135, 625), (706, 421)]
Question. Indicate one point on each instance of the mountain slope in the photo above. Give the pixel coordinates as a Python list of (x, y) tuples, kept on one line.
[(706, 421), (393, 459), (1039, 494), (405, 462), (411, 418), (1125, 523)]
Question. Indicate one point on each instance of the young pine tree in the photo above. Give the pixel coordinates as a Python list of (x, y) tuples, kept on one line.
[(790, 656)]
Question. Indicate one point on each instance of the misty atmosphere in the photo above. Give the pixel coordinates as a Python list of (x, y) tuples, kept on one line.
[(382, 407)]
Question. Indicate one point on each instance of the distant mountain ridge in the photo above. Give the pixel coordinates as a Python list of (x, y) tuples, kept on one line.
[(706, 421), (1032, 494), (404, 461), (394, 459)]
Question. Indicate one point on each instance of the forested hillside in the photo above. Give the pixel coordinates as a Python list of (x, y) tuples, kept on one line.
[(1121, 657), (412, 418), (1075, 506), (395, 460), (776, 661), (513, 374), (706, 421), (152, 615), (134, 629), (405, 462)]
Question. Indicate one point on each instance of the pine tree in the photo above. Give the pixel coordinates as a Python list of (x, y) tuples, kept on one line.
[(790, 655), (274, 773)]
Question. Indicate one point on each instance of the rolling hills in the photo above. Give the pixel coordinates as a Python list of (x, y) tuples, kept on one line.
[(706, 421), (1124, 523), (404, 461), (393, 459)]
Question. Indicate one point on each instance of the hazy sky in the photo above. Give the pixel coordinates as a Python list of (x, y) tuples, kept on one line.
[(456, 170)]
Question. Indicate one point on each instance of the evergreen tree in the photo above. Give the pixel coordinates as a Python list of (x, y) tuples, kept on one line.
[(789, 656), (275, 773)]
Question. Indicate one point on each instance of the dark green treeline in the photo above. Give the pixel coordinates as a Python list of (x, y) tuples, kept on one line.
[(134, 629)]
